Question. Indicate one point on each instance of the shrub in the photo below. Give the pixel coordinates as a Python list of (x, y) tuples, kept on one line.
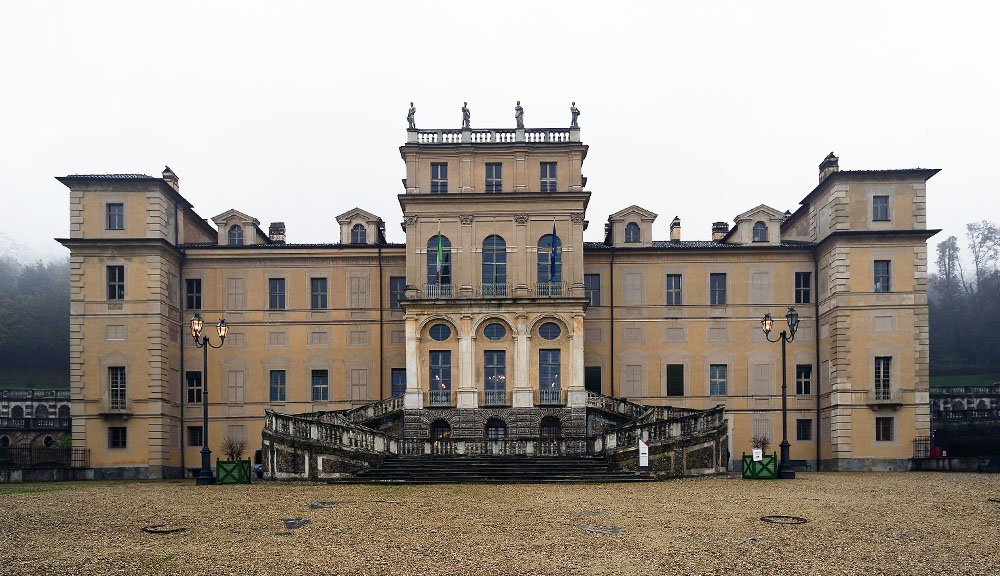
[(233, 448), (760, 441)]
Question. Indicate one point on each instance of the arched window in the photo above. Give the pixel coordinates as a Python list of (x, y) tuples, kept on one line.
[(440, 430), (64, 411), (359, 235), (17, 412), (494, 266), (550, 427), (495, 429), (236, 235), (438, 266), (549, 266), (631, 232), (4, 441), (759, 231), (41, 411)]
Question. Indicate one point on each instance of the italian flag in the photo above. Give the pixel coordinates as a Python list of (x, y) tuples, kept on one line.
[(440, 257)]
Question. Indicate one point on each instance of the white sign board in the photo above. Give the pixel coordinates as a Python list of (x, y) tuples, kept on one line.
[(643, 453), (758, 454)]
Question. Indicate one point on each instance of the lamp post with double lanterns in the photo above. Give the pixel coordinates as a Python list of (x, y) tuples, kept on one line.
[(205, 476), (792, 318)]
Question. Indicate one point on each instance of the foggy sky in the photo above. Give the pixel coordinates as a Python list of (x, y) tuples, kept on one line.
[(294, 111)]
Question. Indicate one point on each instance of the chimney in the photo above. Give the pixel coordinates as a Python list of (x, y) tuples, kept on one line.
[(170, 178), (276, 232), (675, 229), (828, 166), (719, 230)]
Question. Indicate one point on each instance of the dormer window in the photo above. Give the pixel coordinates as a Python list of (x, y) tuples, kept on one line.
[(759, 231), (631, 233), (236, 235), (358, 234)]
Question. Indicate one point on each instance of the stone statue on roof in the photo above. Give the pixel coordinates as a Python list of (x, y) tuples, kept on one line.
[(465, 115), (411, 122), (519, 115), (575, 112)]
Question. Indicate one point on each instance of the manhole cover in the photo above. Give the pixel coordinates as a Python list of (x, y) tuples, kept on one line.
[(784, 519), (162, 529)]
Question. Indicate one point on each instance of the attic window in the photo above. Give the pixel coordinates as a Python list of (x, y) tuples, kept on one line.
[(236, 235), (358, 234), (759, 231), (631, 233)]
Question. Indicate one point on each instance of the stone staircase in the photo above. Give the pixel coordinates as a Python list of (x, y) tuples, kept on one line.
[(493, 470)]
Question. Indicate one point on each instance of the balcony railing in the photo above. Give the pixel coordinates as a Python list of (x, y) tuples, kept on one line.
[(115, 405), (495, 398), (34, 394), (439, 398), (885, 396), (550, 397), (494, 290), (35, 423), (548, 289), (437, 291)]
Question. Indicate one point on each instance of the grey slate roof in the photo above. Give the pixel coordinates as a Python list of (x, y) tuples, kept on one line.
[(280, 246), (111, 177), (698, 245)]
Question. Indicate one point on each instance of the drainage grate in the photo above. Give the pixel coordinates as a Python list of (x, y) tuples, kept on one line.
[(784, 519), (161, 529)]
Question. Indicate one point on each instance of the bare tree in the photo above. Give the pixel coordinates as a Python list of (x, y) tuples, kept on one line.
[(984, 245), (233, 448)]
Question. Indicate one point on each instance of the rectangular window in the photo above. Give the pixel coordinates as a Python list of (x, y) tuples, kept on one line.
[(761, 384), (439, 178), (117, 393), (675, 379), (398, 381), (882, 276), (317, 293), (673, 289), (235, 294), (760, 288), (884, 429), (592, 379), (495, 377), (633, 288), (235, 386), (194, 436), (117, 437), (440, 370), (193, 387), (494, 177), (320, 386), (592, 288), (548, 182), (548, 372), (116, 282), (276, 293), (880, 208), (116, 216), (883, 380), (717, 380), (277, 385), (359, 384), (803, 378), (633, 380), (717, 288), (803, 429), (358, 291), (803, 287), (192, 291), (397, 290)]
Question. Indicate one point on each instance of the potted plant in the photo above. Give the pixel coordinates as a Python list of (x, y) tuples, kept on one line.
[(757, 464), (233, 470)]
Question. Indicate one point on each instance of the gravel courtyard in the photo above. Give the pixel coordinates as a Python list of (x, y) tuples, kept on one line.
[(903, 523)]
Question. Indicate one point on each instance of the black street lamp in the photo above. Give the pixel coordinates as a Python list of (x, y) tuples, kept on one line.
[(792, 318), (205, 476)]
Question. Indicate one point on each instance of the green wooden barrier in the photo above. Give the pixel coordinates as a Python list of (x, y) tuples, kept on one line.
[(232, 472), (766, 468)]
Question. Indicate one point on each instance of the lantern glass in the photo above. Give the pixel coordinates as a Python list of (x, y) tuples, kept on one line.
[(766, 323), (793, 320), (223, 328), (196, 326)]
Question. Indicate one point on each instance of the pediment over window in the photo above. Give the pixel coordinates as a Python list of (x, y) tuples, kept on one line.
[(359, 226), (630, 227), (760, 225), (235, 227)]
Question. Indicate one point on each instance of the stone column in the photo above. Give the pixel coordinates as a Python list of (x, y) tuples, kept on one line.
[(414, 398), (577, 397), (468, 396), (523, 395)]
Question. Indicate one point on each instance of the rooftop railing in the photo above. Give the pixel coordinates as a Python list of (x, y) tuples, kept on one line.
[(493, 135)]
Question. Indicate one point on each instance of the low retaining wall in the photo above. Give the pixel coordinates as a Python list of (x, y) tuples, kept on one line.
[(948, 464)]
